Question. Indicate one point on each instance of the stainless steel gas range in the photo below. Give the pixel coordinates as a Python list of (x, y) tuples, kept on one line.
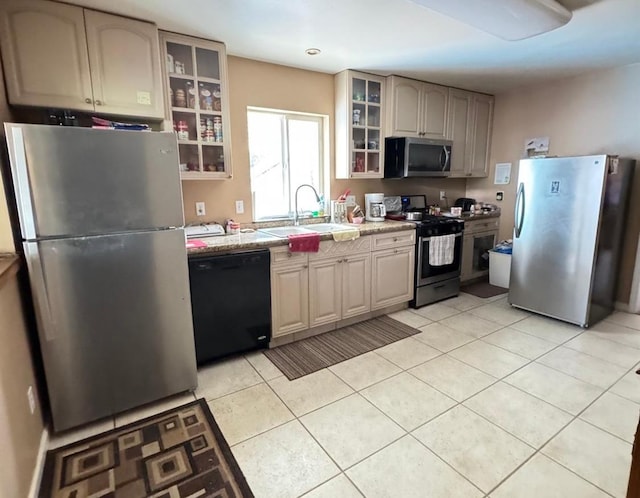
[(435, 282), (436, 278)]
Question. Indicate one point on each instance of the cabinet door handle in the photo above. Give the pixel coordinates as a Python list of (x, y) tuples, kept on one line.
[(98, 102), (305, 266), (468, 174), (395, 252), (289, 255), (345, 260), (88, 100), (395, 239)]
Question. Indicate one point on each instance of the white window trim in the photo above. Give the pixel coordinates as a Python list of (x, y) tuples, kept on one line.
[(323, 160)]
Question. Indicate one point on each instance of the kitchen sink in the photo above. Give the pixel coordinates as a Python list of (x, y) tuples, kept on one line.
[(284, 232), (329, 227)]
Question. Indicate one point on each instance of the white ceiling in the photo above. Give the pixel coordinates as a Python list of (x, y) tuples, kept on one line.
[(400, 37)]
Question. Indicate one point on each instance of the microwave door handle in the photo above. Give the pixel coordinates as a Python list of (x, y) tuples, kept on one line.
[(446, 158)]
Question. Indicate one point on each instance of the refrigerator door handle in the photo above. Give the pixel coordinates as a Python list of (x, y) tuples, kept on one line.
[(40, 291), (520, 206), (18, 154)]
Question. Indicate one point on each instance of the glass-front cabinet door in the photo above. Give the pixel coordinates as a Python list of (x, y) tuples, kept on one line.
[(482, 244), (198, 105), (359, 118)]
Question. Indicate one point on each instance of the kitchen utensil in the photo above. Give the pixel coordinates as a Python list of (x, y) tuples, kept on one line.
[(338, 211)]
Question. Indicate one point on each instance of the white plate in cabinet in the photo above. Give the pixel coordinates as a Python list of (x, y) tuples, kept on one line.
[(392, 276), (289, 298), (394, 239)]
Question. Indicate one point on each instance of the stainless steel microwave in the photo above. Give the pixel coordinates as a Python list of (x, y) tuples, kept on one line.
[(408, 157)]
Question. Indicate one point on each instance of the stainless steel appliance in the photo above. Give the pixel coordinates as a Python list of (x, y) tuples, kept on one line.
[(101, 221), (432, 282), (435, 283), (231, 302), (407, 157), (570, 219)]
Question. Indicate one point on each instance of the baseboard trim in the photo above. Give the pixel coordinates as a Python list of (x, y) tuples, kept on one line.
[(622, 307), (39, 467)]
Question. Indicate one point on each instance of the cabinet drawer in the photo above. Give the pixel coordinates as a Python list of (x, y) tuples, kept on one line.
[(330, 248), (481, 225), (283, 255), (394, 239)]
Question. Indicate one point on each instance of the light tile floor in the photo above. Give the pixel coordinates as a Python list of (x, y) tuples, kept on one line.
[(486, 401)]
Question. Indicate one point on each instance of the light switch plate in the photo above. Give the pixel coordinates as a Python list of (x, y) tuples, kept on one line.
[(239, 207), (200, 209)]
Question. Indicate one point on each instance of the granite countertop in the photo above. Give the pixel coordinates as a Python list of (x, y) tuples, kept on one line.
[(257, 240)]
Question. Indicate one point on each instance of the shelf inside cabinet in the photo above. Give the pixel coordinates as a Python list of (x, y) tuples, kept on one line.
[(202, 114), (179, 76), (204, 79)]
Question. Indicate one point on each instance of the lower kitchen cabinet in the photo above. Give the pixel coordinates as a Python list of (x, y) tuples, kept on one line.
[(289, 298), (342, 280), (356, 285), (392, 275), (480, 236), (325, 291)]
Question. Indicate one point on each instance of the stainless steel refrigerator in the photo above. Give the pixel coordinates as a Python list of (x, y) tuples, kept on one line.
[(569, 224), (102, 226)]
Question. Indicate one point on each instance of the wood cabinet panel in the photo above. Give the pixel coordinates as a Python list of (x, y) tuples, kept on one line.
[(435, 101), (356, 285), (44, 52), (481, 134), (289, 299), (392, 276), (325, 291), (406, 115), (125, 65), (459, 120)]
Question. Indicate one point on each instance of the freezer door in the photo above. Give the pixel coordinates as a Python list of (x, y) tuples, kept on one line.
[(114, 318), (558, 208), (80, 181)]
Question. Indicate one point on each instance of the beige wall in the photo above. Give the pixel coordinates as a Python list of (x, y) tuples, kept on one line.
[(6, 237), (590, 114), (20, 432), (253, 83)]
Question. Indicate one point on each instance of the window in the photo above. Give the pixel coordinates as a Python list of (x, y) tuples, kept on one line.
[(286, 149)]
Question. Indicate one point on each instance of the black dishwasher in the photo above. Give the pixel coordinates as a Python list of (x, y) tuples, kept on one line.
[(231, 302)]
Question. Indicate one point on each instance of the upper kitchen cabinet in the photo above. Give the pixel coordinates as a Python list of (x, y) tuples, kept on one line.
[(470, 121), (197, 101), (359, 100), (62, 56), (416, 108), (125, 65), (45, 56)]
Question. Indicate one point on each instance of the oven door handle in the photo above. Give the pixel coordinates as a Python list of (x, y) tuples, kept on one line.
[(427, 239)]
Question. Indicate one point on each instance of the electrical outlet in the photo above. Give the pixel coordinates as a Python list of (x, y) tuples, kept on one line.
[(499, 196), (351, 200), (32, 400), (239, 207), (200, 210), (443, 195)]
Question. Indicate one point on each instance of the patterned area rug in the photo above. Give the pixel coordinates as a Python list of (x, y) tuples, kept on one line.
[(315, 353), (177, 454)]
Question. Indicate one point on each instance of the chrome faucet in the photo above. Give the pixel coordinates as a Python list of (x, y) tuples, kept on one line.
[(295, 212)]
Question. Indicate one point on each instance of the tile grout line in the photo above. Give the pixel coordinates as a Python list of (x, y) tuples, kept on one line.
[(539, 450)]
